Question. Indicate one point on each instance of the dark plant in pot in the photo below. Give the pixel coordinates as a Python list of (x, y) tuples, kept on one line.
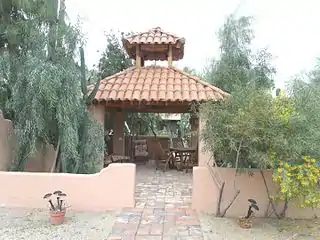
[(246, 221), (57, 206)]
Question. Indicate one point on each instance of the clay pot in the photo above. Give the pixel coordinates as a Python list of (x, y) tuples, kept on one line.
[(245, 222), (57, 218)]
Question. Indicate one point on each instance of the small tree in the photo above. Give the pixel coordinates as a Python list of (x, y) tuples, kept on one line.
[(239, 131), (299, 182)]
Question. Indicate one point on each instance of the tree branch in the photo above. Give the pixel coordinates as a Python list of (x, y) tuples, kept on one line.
[(238, 154), (269, 196), (55, 157), (229, 205)]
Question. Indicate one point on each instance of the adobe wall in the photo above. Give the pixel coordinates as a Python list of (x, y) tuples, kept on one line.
[(106, 190), (206, 190), (39, 162)]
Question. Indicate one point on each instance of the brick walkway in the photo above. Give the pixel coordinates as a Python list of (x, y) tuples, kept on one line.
[(163, 209)]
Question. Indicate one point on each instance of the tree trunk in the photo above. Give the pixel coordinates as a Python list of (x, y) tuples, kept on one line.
[(285, 208), (61, 22), (269, 196), (55, 157), (218, 211)]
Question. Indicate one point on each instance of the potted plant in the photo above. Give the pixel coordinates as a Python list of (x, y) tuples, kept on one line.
[(57, 206), (246, 222)]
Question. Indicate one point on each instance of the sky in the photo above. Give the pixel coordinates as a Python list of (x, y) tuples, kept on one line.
[(289, 29)]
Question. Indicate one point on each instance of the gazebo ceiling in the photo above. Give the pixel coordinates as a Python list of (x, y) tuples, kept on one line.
[(154, 45), (155, 87)]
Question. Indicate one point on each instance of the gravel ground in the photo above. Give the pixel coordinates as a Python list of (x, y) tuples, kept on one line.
[(263, 229), (18, 224)]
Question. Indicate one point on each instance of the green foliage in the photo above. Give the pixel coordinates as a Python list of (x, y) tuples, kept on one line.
[(45, 98), (238, 66), (190, 71), (185, 127), (306, 124), (284, 107), (143, 123), (299, 182), (91, 134), (40, 81), (114, 59), (93, 148), (240, 130)]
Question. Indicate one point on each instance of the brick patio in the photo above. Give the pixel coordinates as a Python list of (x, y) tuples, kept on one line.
[(163, 209), (156, 189)]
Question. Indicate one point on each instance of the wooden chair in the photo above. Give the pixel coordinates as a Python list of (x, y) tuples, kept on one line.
[(164, 157), (140, 150), (177, 143)]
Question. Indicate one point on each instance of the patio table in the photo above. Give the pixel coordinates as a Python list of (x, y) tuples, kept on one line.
[(186, 156)]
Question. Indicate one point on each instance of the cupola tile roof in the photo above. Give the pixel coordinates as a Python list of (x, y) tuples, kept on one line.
[(154, 45)]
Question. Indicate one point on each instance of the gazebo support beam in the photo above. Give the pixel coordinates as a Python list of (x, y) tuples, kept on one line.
[(138, 56), (170, 56), (194, 122), (118, 133)]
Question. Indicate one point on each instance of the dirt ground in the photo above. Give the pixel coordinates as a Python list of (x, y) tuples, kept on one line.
[(302, 229), (263, 229), (21, 224)]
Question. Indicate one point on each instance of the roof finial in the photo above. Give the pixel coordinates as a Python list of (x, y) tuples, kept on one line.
[(157, 29)]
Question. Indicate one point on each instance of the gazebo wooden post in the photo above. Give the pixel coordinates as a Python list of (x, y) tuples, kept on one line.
[(118, 133), (170, 56), (138, 56), (194, 122), (98, 113)]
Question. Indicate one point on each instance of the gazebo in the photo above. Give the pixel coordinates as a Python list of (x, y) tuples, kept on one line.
[(151, 89)]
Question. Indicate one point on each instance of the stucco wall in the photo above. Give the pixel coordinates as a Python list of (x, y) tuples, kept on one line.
[(206, 193), (41, 161), (206, 190), (112, 188)]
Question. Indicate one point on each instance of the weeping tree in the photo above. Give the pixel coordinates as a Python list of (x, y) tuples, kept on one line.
[(43, 84)]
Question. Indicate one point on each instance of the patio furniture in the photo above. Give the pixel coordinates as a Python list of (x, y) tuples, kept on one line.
[(115, 159), (187, 157), (140, 149), (177, 143), (164, 158)]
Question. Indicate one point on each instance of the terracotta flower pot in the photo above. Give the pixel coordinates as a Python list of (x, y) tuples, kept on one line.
[(245, 222), (57, 218)]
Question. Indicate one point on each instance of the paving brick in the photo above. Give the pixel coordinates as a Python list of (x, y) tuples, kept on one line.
[(156, 229), (144, 229), (162, 209)]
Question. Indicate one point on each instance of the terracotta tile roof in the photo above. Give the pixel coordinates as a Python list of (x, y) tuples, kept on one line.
[(155, 83), (155, 36), (154, 45)]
